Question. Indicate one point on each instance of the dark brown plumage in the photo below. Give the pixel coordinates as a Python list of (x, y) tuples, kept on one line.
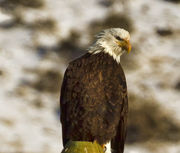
[(94, 101)]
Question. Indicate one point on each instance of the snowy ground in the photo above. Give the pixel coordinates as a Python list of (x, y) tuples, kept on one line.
[(27, 128)]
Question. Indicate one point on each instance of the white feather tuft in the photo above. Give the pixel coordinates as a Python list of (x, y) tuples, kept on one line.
[(108, 147)]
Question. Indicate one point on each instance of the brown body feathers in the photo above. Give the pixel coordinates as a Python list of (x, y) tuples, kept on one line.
[(94, 101)]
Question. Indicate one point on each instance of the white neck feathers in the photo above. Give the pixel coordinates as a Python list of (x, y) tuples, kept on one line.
[(104, 47)]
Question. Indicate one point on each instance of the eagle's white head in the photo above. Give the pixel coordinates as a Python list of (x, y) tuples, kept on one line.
[(114, 41)]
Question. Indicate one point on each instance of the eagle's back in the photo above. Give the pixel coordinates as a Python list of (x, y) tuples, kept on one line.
[(93, 98)]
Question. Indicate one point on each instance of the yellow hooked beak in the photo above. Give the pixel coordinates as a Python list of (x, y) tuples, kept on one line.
[(125, 44), (129, 47)]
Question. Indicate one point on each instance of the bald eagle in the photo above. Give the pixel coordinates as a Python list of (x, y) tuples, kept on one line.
[(94, 102)]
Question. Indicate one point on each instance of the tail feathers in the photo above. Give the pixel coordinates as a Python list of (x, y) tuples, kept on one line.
[(108, 148)]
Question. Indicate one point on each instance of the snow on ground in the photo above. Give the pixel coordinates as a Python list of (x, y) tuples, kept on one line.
[(25, 128), (163, 148)]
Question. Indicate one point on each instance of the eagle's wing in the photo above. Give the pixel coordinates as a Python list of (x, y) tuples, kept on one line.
[(117, 143), (63, 108)]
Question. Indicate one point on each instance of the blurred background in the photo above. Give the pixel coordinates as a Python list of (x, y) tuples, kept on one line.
[(38, 38)]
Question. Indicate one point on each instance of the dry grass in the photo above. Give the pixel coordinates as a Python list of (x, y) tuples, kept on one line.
[(112, 21), (1, 72), (15, 22), (70, 47), (13, 4), (148, 121), (164, 32), (7, 122), (177, 86), (38, 103), (46, 25), (47, 81), (17, 144), (106, 3), (173, 1)]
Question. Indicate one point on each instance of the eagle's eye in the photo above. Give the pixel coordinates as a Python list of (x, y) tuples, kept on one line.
[(118, 38)]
